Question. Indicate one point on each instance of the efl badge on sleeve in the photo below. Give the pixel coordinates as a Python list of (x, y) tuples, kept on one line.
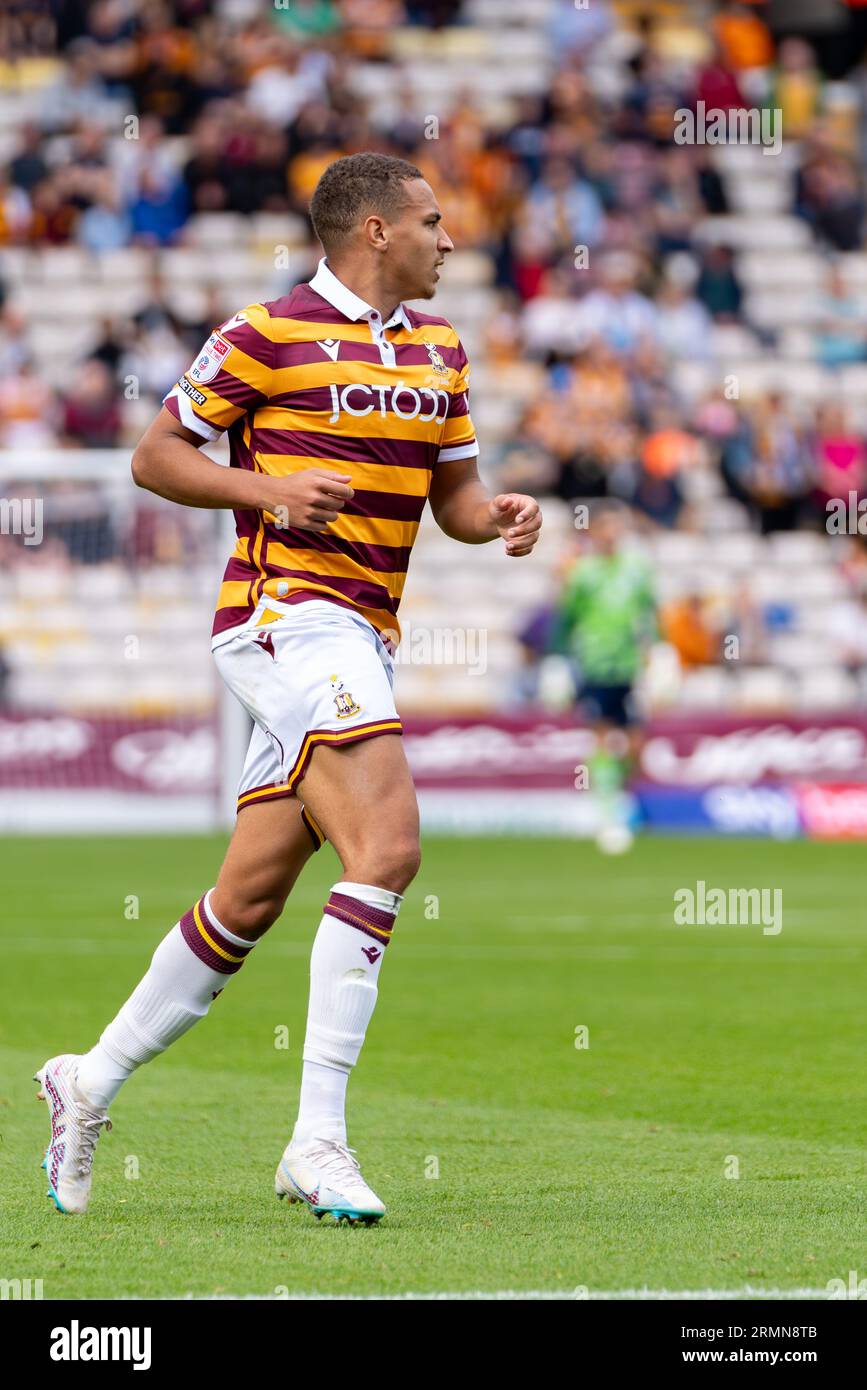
[(210, 360)]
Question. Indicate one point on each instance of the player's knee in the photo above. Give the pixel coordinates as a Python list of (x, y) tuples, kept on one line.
[(407, 862), (252, 918), (391, 865)]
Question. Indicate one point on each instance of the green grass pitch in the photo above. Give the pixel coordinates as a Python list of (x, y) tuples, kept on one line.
[(509, 1158)]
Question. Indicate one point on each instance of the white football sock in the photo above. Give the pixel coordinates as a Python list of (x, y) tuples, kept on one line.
[(322, 1107), (344, 970), (178, 990)]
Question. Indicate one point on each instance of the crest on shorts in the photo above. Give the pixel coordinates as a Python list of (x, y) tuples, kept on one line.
[(346, 706), (437, 360)]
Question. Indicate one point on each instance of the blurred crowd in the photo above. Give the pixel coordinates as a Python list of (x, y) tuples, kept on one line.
[(607, 427), (154, 111)]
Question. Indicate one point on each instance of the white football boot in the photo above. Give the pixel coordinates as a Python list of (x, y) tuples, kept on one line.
[(326, 1175), (75, 1126)]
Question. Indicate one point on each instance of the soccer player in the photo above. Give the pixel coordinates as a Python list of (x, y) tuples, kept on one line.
[(606, 618), (345, 411), (605, 622)]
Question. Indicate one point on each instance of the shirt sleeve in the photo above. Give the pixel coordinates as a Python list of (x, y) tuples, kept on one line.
[(459, 438), (229, 377)]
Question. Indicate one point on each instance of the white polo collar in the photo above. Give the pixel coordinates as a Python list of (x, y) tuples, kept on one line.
[(326, 283)]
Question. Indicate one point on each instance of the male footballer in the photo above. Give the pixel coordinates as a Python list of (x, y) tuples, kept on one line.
[(345, 411)]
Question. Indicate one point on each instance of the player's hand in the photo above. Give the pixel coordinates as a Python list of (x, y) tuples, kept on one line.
[(311, 499), (519, 521)]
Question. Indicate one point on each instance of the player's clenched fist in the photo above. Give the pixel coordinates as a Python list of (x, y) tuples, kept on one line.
[(310, 499), (518, 519)]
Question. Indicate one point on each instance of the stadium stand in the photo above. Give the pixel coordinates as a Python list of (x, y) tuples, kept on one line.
[(680, 327)]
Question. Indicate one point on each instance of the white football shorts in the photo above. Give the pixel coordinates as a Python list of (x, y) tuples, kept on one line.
[(306, 673)]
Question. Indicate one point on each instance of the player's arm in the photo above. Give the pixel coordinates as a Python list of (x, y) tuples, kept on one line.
[(460, 502), (230, 377), (167, 461), (464, 509)]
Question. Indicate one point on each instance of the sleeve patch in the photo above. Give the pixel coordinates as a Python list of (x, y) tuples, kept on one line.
[(211, 360), (198, 396)]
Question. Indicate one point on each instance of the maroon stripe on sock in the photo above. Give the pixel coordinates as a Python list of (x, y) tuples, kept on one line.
[(217, 934), (201, 948), (373, 921)]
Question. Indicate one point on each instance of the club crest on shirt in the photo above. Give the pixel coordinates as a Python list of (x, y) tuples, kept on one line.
[(346, 706), (437, 360)]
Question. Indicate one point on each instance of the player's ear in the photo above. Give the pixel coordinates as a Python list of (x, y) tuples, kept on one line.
[(375, 232)]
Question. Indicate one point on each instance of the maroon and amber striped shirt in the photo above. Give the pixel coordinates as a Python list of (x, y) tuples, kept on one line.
[(317, 380)]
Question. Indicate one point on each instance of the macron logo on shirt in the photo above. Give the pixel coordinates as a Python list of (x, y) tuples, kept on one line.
[(330, 346)]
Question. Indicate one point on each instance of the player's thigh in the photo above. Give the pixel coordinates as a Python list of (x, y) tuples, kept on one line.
[(270, 845), (362, 795)]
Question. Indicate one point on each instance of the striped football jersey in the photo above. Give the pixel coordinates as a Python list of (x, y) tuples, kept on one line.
[(317, 380)]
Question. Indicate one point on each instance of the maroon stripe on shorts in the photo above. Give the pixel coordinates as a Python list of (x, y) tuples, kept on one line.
[(382, 726)]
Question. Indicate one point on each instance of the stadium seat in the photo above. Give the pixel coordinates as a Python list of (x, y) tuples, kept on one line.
[(743, 230), (211, 231), (826, 690), (709, 688), (762, 688)]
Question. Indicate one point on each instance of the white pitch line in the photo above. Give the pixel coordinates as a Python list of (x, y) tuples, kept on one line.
[(507, 1295)]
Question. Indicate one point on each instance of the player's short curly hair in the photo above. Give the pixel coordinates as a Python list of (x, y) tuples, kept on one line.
[(354, 186)]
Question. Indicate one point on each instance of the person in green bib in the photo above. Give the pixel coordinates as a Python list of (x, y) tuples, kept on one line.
[(606, 619)]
